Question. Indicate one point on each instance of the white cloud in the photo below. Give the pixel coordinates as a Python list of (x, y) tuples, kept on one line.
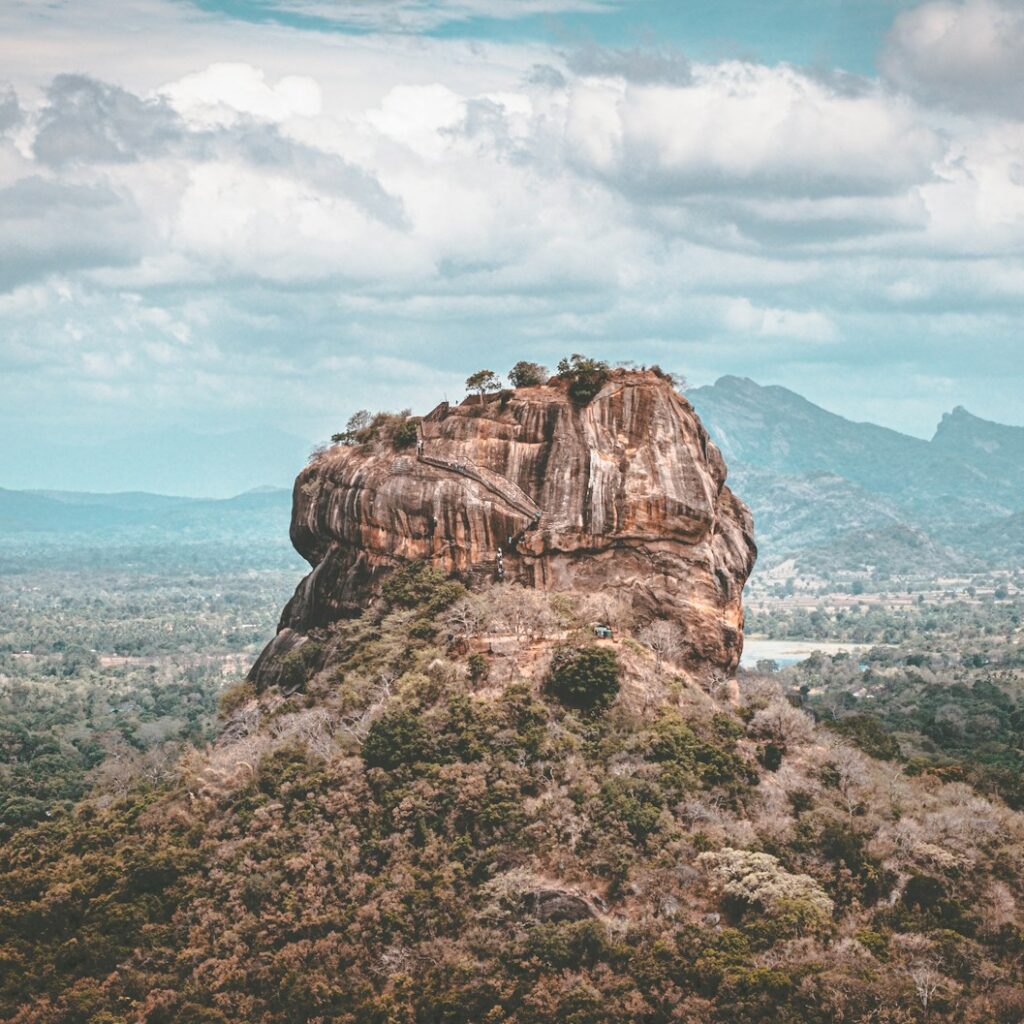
[(237, 222), (748, 129), (965, 55), (742, 316), (417, 115), (223, 93), (321, 197)]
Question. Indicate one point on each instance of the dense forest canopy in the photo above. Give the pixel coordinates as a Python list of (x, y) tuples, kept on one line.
[(419, 829)]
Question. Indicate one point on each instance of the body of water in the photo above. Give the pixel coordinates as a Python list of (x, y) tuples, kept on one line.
[(790, 652)]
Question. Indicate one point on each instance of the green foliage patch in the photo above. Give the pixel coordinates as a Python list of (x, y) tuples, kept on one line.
[(586, 376), (418, 585), (397, 429), (583, 678)]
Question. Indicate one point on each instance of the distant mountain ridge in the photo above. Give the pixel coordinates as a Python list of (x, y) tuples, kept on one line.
[(84, 512), (152, 532), (169, 461), (829, 491), (963, 435), (816, 480)]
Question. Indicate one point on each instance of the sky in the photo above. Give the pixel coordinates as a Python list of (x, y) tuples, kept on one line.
[(235, 215)]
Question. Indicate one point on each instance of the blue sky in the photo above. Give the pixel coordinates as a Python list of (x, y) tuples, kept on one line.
[(823, 33), (230, 214)]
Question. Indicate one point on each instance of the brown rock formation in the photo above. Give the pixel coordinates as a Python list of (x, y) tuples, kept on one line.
[(625, 494)]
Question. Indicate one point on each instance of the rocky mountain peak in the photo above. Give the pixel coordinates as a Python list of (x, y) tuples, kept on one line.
[(622, 495)]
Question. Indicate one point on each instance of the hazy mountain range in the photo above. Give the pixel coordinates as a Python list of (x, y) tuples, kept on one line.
[(835, 493), (849, 495), (145, 532), (169, 461), (137, 512)]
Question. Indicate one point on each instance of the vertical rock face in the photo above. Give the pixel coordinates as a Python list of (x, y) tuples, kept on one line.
[(624, 495)]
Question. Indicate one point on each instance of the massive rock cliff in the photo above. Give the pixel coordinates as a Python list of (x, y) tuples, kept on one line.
[(623, 495)]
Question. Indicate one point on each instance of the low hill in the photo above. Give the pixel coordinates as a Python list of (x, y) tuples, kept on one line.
[(429, 818), (120, 517), (171, 461)]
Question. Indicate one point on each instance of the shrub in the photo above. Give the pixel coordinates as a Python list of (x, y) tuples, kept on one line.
[(688, 759), (396, 428), (406, 433), (22, 810), (788, 919), (635, 802), (286, 766), (868, 733), (419, 585), (874, 942), (584, 678), (757, 994), (923, 891), (801, 801), (751, 880), (464, 733), (713, 955), (727, 727), (524, 718), (398, 740), (770, 755), (479, 668), (842, 846), (586, 376), (565, 946), (234, 697), (527, 375)]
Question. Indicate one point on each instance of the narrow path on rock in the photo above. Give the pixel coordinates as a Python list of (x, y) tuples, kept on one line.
[(513, 496)]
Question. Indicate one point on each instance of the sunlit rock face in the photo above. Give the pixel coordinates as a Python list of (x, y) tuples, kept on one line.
[(623, 495)]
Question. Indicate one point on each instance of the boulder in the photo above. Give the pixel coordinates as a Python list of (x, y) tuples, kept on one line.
[(624, 495)]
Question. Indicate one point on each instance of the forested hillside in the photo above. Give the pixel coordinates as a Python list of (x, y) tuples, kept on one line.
[(428, 820)]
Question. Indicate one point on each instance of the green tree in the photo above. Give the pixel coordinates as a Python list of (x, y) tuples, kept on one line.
[(483, 381), (586, 376), (585, 678), (419, 585), (358, 422), (527, 375), (398, 740)]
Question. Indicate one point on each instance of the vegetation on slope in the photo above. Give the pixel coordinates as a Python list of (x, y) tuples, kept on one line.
[(954, 717), (407, 839), (107, 675)]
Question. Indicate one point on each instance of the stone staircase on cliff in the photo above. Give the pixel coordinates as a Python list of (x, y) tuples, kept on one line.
[(511, 494)]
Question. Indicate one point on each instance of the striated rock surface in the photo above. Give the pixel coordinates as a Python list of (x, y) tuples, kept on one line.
[(624, 495)]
